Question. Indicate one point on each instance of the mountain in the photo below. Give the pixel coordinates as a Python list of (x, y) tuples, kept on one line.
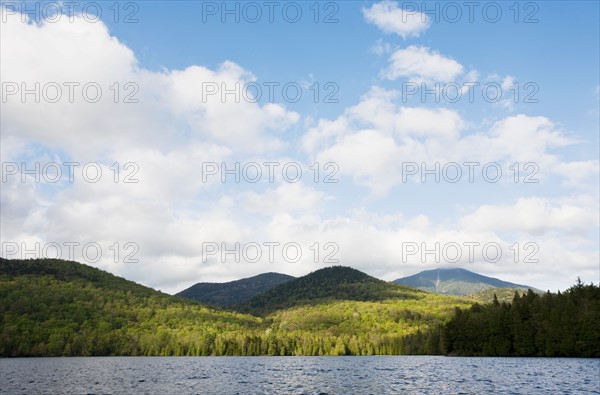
[(70, 272), (51, 307), (331, 283), (235, 292), (455, 282)]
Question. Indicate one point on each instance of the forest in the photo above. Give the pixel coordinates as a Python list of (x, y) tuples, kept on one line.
[(551, 325), (61, 308)]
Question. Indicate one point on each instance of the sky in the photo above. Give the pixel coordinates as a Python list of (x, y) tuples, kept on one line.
[(185, 141)]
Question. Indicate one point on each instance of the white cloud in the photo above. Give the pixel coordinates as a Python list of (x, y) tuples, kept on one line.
[(230, 120), (288, 197), (523, 138), (381, 48), (372, 140), (578, 173), (171, 106), (507, 82), (169, 134), (421, 64), (172, 131), (390, 18), (381, 245), (368, 156), (536, 216)]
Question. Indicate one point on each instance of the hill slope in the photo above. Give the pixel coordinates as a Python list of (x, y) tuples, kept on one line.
[(552, 325), (235, 292), (502, 295), (69, 271), (331, 283), (455, 282), (51, 307)]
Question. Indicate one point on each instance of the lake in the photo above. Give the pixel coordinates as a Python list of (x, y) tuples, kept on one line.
[(299, 375)]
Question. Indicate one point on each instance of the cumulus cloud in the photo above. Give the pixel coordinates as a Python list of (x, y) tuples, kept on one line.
[(172, 212), (288, 197), (168, 131), (578, 173), (367, 155), (391, 246), (421, 64), (105, 99), (373, 139), (536, 216), (390, 18)]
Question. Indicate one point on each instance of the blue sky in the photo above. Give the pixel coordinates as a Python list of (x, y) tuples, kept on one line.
[(172, 35), (366, 59)]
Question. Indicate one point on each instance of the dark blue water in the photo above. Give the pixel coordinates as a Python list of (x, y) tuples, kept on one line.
[(299, 375)]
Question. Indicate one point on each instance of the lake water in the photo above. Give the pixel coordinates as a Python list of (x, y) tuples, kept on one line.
[(299, 375)]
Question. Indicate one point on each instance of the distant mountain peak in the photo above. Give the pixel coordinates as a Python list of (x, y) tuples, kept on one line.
[(236, 292), (455, 281), (324, 285), (343, 273)]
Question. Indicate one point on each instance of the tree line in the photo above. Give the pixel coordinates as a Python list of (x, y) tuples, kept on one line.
[(67, 309), (564, 324)]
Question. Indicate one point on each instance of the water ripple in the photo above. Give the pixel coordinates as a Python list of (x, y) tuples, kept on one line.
[(299, 375)]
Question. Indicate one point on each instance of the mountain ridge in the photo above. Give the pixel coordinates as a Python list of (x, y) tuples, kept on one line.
[(232, 293), (51, 307), (329, 283), (240, 293), (456, 281)]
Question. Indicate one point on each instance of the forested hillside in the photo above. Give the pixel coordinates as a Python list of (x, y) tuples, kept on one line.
[(233, 293), (325, 285), (54, 307), (59, 308), (564, 324), (500, 294)]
